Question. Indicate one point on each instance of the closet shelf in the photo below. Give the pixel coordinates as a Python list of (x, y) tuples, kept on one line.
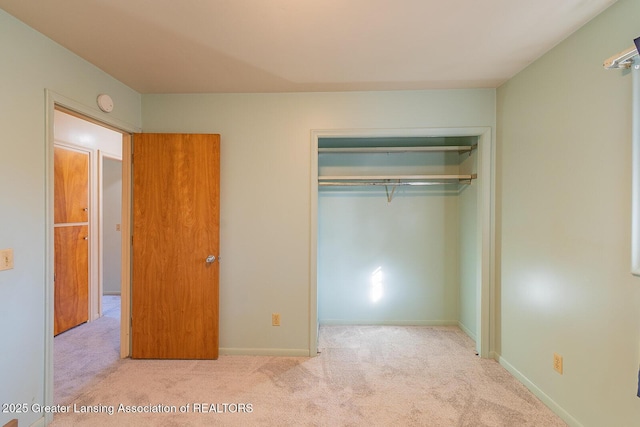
[(394, 180), (422, 149)]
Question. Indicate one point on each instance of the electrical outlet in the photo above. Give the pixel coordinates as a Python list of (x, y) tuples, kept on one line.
[(6, 259), (275, 319), (557, 363)]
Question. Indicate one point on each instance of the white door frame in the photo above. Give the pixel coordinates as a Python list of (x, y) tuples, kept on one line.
[(53, 99), (485, 343)]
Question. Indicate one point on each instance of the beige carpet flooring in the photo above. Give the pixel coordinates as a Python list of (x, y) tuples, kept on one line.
[(364, 376), (84, 355)]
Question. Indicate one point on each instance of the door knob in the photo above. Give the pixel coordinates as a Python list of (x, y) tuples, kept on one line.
[(210, 259)]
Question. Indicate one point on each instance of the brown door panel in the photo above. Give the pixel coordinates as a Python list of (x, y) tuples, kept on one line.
[(71, 186), (71, 269), (176, 194)]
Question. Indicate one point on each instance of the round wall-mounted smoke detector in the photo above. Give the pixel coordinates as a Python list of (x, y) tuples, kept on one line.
[(105, 103)]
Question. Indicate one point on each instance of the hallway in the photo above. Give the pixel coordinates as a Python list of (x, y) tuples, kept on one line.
[(87, 353)]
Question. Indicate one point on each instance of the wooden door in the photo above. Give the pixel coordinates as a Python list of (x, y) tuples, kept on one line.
[(71, 186), (71, 283), (71, 234), (176, 194)]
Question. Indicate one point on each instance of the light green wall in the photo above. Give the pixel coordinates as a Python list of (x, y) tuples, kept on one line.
[(564, 176), (111, 216), (413, 239), (31, 63), (469, 252), (266, 189)]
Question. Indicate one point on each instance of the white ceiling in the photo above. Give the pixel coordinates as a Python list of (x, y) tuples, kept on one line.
[(193, 46)]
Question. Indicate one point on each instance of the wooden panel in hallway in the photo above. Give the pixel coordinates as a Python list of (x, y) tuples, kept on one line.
[(71, 279), (71, 186), (71, 238)]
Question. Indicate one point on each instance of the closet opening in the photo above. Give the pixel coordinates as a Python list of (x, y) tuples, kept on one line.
[(402, 230)]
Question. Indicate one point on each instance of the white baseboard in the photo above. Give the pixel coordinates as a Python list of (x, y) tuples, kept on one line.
[(342, 322), (467, 331), (540, 394), (286, 352)]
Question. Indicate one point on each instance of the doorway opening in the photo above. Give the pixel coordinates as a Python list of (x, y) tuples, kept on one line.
[(84, 129), (87, 251), (103, 205)]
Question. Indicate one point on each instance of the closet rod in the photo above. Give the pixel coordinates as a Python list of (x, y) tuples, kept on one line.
[(404, 180), (389, 178), (457, 148), (391, 183)]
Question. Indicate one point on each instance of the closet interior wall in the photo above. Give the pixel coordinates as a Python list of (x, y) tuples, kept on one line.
[(397, 254)]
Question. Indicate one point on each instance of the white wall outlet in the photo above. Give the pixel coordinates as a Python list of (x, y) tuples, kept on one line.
[(557, 363), (6, 259), (275, 319)]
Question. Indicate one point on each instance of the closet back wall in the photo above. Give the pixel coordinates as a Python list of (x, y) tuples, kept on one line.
[(385, 262)]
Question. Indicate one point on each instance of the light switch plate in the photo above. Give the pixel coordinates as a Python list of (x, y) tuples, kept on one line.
[(6, 259)]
